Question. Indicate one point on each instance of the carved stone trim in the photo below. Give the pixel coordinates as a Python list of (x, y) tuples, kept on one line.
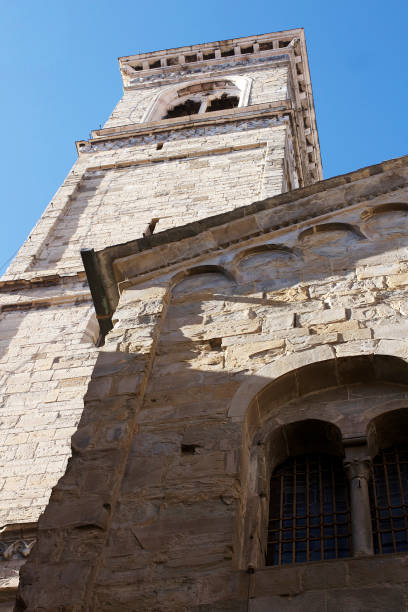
[(358, 468), (16, 541), (19, 549)]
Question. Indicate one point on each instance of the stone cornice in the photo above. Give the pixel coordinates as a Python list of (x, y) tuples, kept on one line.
[(15, 292), (231, 65), (246, 113), (32, 280), (281, 34), (213, 233)]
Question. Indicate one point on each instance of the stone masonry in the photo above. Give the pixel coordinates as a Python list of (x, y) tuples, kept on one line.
[(225, 331), (137, 169), (265, 300)]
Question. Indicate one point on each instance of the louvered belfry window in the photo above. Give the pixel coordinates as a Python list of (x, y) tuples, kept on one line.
[(389, 500), (309, 514)]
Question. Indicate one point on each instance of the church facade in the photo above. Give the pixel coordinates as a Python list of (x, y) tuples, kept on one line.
[(222, 333)]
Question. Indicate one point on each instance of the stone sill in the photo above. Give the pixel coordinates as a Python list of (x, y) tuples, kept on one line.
[(243, 112), (350, 572)]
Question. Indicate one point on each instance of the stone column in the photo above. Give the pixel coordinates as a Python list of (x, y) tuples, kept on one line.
[(357, 465)]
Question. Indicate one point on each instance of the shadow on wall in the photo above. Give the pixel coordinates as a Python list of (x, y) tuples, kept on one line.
[(75, 227), (157, 473), (10, 323)]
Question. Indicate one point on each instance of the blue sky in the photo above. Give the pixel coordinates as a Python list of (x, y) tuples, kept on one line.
[(60, 79)]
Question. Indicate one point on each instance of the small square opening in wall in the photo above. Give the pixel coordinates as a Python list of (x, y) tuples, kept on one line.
[(155, 64), (159, 146), (283, 43), (266, 46), (247, 49), (208, 56), (227, 52), (191, 58), (138, 67), (172, 61)]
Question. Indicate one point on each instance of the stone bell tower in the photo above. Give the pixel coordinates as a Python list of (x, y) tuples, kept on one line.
[(200, 130), (218, 338)]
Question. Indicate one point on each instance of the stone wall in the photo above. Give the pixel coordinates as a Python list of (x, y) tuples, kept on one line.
[(301, 315), (46, 360), (112, 193), (116, 189), (268, 85)]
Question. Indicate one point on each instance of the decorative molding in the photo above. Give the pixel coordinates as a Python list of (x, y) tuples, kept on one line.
[(168, 95), (219, 122), (19, 549), (17, 541)]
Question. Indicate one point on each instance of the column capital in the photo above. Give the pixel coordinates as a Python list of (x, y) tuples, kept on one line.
[(357, 468)]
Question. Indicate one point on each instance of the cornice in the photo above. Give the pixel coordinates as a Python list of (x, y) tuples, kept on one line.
[(169, 74), (233, 115), (112, 265), (32, 280), (287, 34)]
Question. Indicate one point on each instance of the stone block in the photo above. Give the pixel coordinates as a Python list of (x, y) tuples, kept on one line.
[(283, 581), (238, 355), (371, 599), (313, 601), (377, 570), (323, 317), (90, 511), (324, 576), (277, 322), (397, 280)]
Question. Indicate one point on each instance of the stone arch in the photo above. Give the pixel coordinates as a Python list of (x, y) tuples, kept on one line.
[(385, 220), (196, 279), (329, 239), (275, 263), (273, 416), (194, 293), (263, 248), (302, 437), (265, 376), (240, 85), (387, 429)]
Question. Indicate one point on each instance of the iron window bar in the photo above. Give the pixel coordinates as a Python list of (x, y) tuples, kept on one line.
[(389, 500), (309, 515)]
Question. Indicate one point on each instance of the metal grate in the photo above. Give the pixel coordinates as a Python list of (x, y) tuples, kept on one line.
[(189, 107), (389, 500), (309, 514)]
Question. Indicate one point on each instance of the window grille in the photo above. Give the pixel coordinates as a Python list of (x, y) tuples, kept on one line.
[(389, 500), (189, 107), (225, 101), (309, 515)]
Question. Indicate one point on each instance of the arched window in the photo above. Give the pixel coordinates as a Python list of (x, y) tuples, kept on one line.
[(309, 511), (197, 97), (389, 500), (388, 487)]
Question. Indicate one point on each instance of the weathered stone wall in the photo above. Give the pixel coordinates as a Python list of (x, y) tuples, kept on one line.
[(113, 191), (198, 173), (188, 179), (177, 172), (268, 85), (206, 358), (45, 363)]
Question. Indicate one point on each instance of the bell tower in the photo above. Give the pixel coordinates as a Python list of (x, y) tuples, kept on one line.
[(200, 131)]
